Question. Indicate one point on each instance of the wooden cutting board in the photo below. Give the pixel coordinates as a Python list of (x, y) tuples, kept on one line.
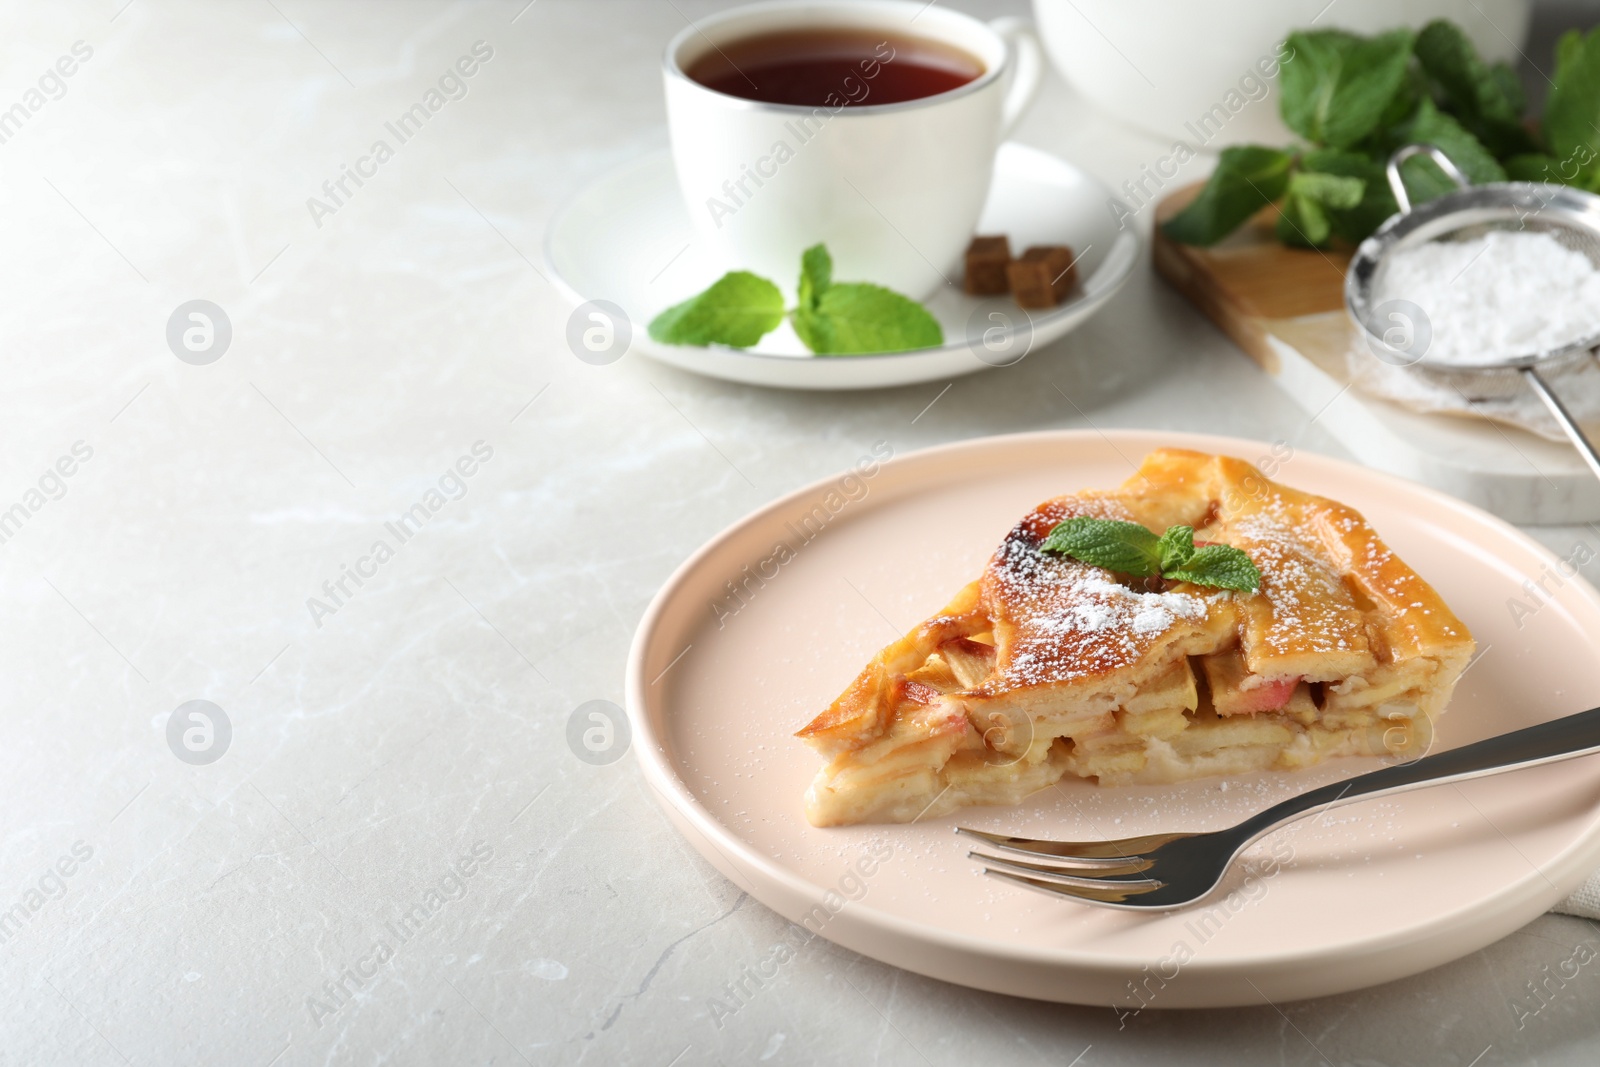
[(1285, 308), (1251, 284)]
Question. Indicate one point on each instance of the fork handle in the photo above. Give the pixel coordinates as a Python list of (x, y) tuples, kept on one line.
[(1549, 742)]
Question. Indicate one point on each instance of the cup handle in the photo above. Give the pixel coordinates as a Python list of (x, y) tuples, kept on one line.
[(1028, 71)]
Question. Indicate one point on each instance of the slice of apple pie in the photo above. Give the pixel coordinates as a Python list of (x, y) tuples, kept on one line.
[(1048, 665)]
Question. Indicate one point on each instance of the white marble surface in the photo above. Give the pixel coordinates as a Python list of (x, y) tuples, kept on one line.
[(426, 717)]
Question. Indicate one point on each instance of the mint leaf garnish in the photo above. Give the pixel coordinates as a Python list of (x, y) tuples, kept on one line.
[(1531, 167), (1176, 546), (1354, 100), (1376, 203), (1129, 548), (816, 274), (737, 310), (1331, 190), (1435, 127), (855, 318), (1247, 179), (1305, 220), (1124, 547), (1573, 109), (1220, 565), (1337, 85), (1488, 99)]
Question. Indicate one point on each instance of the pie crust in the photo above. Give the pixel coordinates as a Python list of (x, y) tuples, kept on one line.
[(1046, 666)]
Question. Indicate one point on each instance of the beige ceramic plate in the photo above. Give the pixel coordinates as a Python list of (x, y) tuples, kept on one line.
[(1369, 893)]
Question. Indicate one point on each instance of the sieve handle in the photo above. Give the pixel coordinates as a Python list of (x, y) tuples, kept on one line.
[(1579, 439), (1397, 184)]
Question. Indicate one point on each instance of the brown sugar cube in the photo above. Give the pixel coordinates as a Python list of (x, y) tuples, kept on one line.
[(1042, 277), (986, 266)]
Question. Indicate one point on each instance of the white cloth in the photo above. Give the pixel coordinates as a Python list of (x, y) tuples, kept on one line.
[(1585, 902), (1577, 383)]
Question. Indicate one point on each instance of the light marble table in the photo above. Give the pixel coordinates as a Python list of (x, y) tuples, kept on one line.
[(411, 738)]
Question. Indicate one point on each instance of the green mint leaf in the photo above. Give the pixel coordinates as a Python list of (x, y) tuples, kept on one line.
[(1222, 566), (1424, 180), (1124, 547), (737, 310), (1533, 167), (1569, 48), (810, 327), (816, 274), (1413, 87), (1337, 87), (1305, 219), (1510, 86), (1329, 190), (1129, 548), (1247, 179), (1303, 223), (1376, 204), (1176, 546), (855, 318), (1487, 99), (1572, 112)]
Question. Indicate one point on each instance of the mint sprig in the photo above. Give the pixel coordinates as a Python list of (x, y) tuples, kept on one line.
[(1306, 218), (833, 319), (1572, 112), (1337, 85), (1247, 179), (738, 310), (1124, 547), (857, 318), (1488, 99), (1129, 548), (1223, 566), (1354, 100)]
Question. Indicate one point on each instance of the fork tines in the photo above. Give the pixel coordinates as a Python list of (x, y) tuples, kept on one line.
[(1095, 871)]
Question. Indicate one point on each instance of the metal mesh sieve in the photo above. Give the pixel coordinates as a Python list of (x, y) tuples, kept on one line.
[(1569, 215)]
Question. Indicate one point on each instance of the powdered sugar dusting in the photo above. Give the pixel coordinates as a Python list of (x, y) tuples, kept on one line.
[(1068, 619), (1100, 606), (1092, 618), (1312, 609)]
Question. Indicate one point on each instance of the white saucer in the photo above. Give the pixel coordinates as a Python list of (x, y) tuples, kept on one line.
[(626, 239)]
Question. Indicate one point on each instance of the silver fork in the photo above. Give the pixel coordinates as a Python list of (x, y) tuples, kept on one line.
[(1170, 870)]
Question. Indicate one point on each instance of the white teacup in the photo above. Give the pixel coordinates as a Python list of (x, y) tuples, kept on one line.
[(894, 190)]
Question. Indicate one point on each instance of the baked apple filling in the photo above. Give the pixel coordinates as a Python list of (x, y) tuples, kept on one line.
[(1047, 666)]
